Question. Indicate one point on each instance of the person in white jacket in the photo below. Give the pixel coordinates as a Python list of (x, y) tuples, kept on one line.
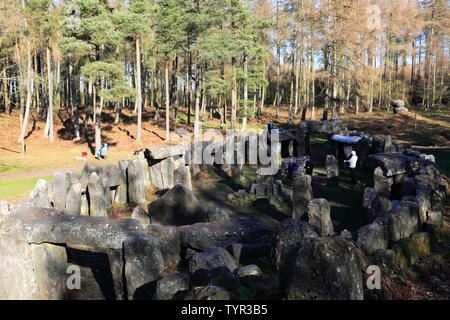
[(352, 164)]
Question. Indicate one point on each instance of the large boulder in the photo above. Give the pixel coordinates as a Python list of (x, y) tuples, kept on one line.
[(183, 176), (324, 268), (215, 266), (164, 151), (169, 287), (168, 238), (291, 236), (319, 217), (393, 164), (177, 207), (382, 184), (404, 221), (302, 194), (374, 236), (144, 263), (113, 176), (31, 271), (40, 225), (205, 236)]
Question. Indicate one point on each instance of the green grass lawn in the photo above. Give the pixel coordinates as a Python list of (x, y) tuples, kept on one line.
[(17, 187)]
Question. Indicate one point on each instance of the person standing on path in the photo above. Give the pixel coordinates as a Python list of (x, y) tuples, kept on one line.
[(352, 165)]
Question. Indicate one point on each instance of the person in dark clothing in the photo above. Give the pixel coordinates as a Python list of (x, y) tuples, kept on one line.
[(270, 126), (309, 166), (292, 168)]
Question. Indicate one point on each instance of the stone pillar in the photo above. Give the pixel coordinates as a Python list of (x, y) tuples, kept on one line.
[(301, 195), (319, 217), (183, 176), (332, 164)]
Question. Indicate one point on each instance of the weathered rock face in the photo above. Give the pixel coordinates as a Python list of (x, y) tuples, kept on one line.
[(369, 195), (144, 262), (61, 185), (208, 293), (332, 165), (374, 236), (409, 251), (393, 164), (325, 268), (168, 238), (168, 287), (73, 201), (319, 217), (183, 176), (398, 103), (334, 126), (163, 151), (382, 184), (136, 181), (97, 196), (205, 236), (211, 259), (52, 227), (213, 266), (40, 194), (403, 221), (113, 176), (141, 215), (251, 270), (386, 258), (217, 215), (291, 236), (177, 207), (302, 195), (31, 271)]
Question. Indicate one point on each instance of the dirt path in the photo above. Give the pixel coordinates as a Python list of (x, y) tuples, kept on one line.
[(22, 175)]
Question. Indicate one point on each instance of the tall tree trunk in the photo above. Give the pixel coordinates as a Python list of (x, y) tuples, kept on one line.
[(138, 90), (29, 97), (167, 101), (5, 92), (233, 94), (244, 119), (197, 102), (50, 97), (73, 94)]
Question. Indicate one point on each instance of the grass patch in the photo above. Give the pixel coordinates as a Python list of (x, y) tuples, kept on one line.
[(18, 187)]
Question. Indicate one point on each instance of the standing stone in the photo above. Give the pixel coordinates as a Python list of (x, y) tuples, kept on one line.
[(369, 195), (183, 176), (237, 172), (167, 167), (319, 217), (120, 196), (144, 263), (388, 143), (84, 207), (302, 195), (136, 182), (404, 221), (332, 164), (40, 194), (374, 236), (97, 206), (61, 185), (30, 271), (382, 184), (73, 203)]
